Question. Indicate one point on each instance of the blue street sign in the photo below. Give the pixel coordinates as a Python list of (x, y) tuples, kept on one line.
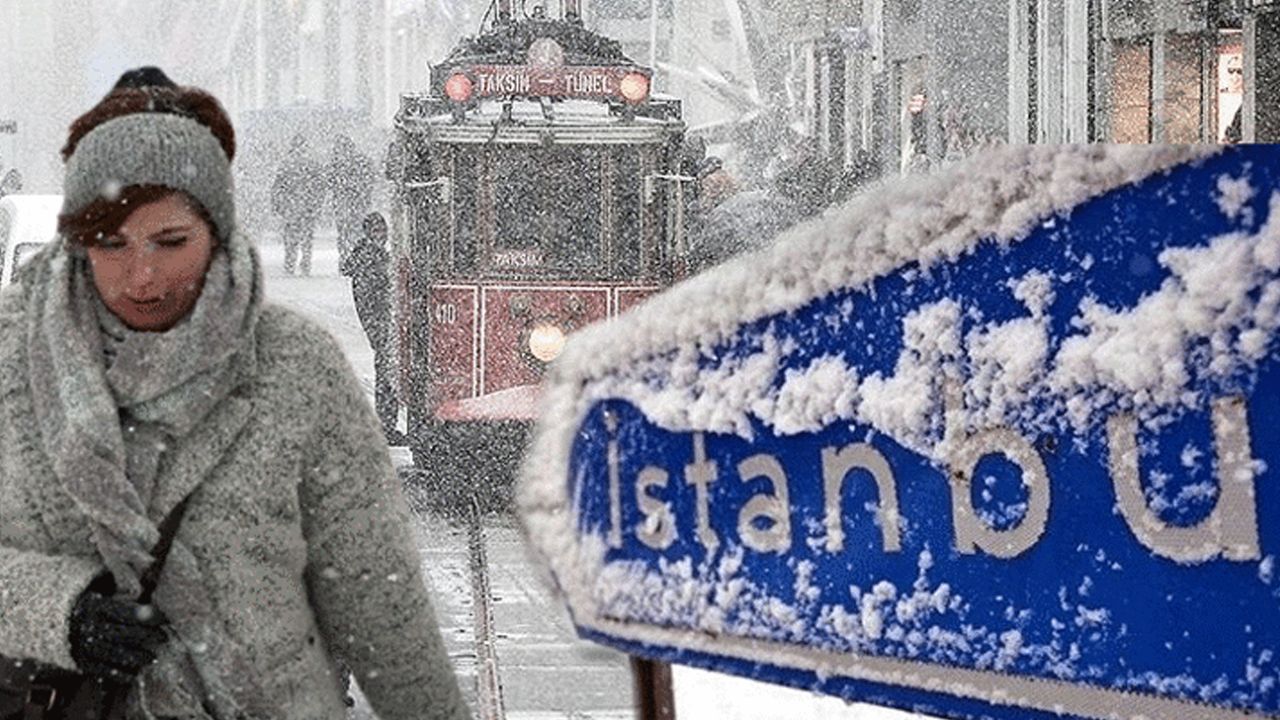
[(1024, 474)]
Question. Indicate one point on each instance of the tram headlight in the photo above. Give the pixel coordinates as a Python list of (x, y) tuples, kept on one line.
[(634, 87), (458, 88), (546, 341)]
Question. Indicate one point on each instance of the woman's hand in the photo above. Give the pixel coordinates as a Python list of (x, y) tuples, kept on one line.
[(114, 638)]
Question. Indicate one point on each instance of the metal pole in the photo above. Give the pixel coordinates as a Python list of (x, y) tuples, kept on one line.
[(488, 677), (653, 695), (653, 33)]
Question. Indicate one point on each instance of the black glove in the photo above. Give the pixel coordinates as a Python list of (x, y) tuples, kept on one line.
[(111, 637)]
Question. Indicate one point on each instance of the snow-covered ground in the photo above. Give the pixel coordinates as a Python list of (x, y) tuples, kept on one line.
[(547, 672), (701, 694)]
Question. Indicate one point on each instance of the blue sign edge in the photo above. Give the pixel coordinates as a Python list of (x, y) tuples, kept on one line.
[(903, 697), (898, 697)]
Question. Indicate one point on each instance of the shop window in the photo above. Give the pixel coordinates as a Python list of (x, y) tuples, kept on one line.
[(914, 104), (1129, 96), (1182, 93), (1230, 84)]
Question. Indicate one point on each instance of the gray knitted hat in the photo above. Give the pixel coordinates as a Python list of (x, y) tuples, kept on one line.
[(152, 148)]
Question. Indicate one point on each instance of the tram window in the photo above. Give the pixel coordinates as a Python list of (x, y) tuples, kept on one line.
[(546, 206), (574, 237), (466, 235), (627, 206), (516, 205)]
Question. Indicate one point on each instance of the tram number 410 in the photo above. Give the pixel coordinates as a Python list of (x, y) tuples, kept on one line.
[(446, 313)]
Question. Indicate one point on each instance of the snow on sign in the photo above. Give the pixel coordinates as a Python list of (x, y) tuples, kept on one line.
[(998, 442)]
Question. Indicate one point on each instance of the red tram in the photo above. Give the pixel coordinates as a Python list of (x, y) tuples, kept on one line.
[(540, 187)]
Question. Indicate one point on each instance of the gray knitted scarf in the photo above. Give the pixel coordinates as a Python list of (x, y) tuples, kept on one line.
[(165, 383)]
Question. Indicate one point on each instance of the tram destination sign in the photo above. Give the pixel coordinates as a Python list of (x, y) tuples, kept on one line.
[(567, 81), (998, 442)]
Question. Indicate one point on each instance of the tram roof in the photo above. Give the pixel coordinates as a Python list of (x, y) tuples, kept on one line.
[(527, 122), (509, 43)]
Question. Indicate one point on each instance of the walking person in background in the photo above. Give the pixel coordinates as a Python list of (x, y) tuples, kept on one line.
[(297, 196), (351, 177), (369, 267), (198, 513), (10, 180)]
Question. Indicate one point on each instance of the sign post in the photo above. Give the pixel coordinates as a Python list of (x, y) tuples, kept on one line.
[(992, 443), (653, 691)]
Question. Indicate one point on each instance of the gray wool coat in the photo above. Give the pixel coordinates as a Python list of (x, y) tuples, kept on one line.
[(295, 515)]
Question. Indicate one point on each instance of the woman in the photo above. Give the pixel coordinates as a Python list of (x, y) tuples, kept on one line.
[(142, 379)]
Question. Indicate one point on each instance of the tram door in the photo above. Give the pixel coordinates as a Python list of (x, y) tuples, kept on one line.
[(429, 207)]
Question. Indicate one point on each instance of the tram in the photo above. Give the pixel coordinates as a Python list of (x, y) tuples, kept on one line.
[(540, 186)]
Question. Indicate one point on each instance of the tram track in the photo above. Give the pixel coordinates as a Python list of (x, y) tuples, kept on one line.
[(512, 644), (489, 701)]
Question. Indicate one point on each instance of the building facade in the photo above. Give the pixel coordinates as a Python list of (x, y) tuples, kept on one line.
[(323, 68), (1171, 71), (346, 56), (927, 81), (1145, 70)]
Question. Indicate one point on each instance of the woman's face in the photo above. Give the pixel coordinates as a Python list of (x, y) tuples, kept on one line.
[(151, 271)]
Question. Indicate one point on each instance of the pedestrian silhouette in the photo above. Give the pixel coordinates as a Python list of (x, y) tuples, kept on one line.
[(297, 196), (369, 267), (350, 176)]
